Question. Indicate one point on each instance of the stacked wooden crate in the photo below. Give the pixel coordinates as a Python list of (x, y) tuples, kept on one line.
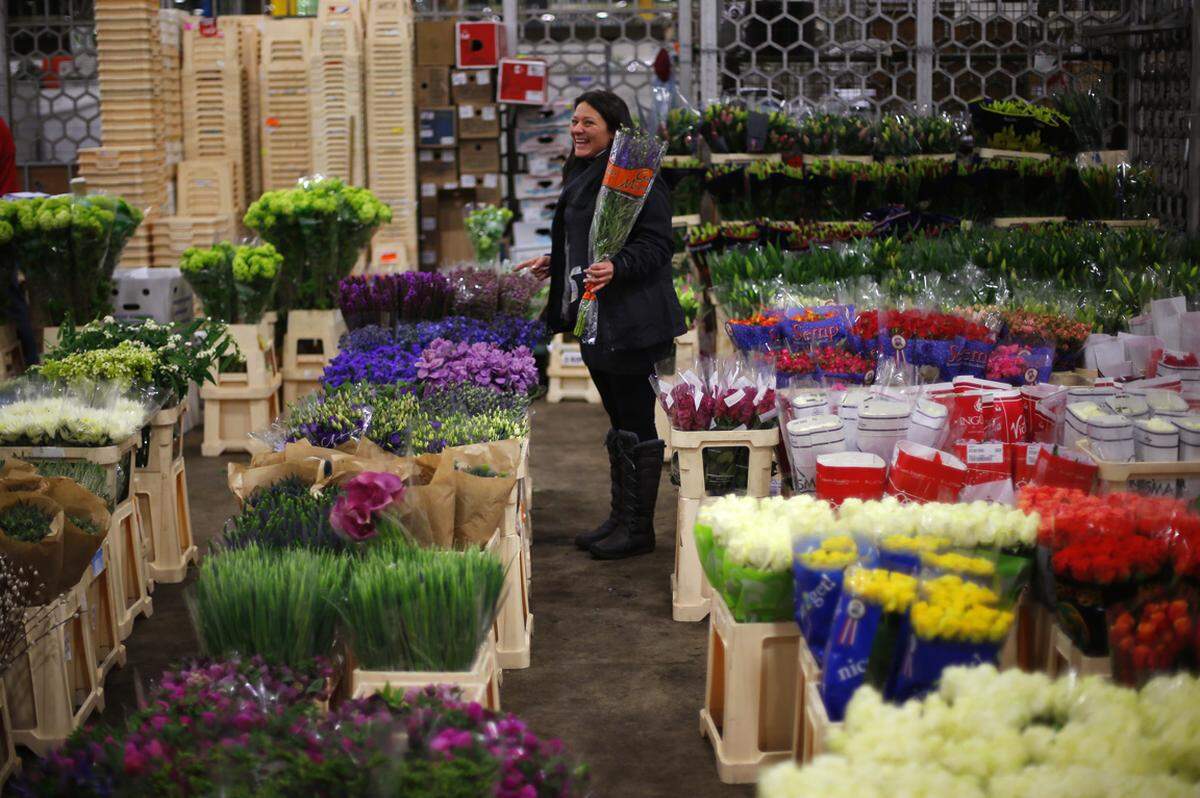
[(251, 27), (212, 89), (207, 203), (337, 101), (171, 23), (391, 152), (286, 57), (132, 163)]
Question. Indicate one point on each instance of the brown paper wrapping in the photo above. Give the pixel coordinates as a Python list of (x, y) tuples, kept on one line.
[(42, 562), (479, 502)]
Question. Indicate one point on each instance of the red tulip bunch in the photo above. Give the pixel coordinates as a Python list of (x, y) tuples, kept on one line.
[(1110, 559), (829, 359), (920, 325)]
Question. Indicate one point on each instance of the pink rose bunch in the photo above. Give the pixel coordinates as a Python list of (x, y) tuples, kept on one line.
[(354, 514)]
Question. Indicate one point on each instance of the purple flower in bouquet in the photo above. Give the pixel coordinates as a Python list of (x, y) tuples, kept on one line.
[(516, 292), (734, 408), (422, 295), (364, 339), (383, 365), (367, 494), (442, 363), (476, 292), (447, 363), (505, 332)]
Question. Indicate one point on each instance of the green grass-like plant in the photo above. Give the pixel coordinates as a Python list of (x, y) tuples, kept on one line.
[(90, 476), (413, 609), (277, 604), (25, 522)]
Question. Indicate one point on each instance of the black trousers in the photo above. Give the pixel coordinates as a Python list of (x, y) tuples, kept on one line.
[(629, 401)]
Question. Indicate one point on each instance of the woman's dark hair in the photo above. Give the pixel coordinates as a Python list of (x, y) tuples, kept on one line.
[(612, 110)]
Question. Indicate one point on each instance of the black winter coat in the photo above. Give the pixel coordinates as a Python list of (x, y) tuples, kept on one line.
[(639, 308)]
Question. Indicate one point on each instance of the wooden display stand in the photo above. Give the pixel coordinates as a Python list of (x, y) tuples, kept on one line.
[(514, 622), (52, 688), (690, 591), (1127, 223), (691, 594), (864, 159), (1020, 221), (161, 492), (242, 402), (99, 594), (1066, 657), (991, 154), (817, 724), (1115, 477), (480, 684), (9, 762), (130, 566), (687, 349), (569, 378), (311, 342), (750, 693), (808, 674), (12, 361)]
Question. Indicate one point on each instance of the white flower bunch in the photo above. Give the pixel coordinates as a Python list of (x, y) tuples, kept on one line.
[(760, 532), (1009, 734), (68, 420), (966, 525)]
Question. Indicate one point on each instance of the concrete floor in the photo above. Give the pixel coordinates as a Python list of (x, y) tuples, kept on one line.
[(612, 674)]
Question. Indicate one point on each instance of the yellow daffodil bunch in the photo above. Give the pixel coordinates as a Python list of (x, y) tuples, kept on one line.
[(891, 590), (914, 544), (834, 554), (956, 563), (951, 589), (972, 623)]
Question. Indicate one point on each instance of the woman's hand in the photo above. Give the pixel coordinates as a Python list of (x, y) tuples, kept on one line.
[(599, 275), (540, 266)]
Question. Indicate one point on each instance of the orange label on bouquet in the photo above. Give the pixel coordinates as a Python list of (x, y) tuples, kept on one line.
[(631, 182)]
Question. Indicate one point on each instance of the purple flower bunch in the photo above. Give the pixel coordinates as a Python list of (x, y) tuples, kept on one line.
[(506, 332), (410, 296), (389, 364), (476, 292), (516, 292), (364, 339), (449, 362)]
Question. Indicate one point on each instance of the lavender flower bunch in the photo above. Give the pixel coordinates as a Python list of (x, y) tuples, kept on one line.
[(422, 296), (446, 363), (633, 164), (328, 419), (476, 292), (505, 332), (364, 339), (516, 292)]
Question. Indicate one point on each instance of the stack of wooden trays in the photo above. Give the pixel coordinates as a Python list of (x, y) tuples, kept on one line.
[(251, 28), (173, 235), (284, 102), (129, 57), (170, 24), (137, 174), (337, 100), (391, 120), (212, 92)]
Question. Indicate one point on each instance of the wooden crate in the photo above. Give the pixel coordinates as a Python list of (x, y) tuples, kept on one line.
[(9, 761), (481, 683), (130, 567), (286, 60), (52, 687), (171, 23), (171, 236), (256, 342), (750, 693), (311, 342), (1115, 477), (98, 598), (691, 594), (231, 413), (687, 349), (514, 622), (569, 378), (690, 447), (206, 187), (161, 492), (808, 674), (817, 725), (1066, 657)]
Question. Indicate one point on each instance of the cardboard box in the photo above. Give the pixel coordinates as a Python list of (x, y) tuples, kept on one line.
[(490, 190), (478, 122), (479, 157), (522, 81), (429, 251), (555, 141), (431, 86), (532, 235), (435, 43), (439, 167), (428, 218), (437, 127), (555, 118), (473, 86), (536, 187), (481, 45), (545, 164), (538, 210)]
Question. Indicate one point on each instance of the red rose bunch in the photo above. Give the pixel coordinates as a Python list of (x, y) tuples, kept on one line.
[(691, 408), (794, 363), (1107, 559), (734, 408), (867, 324), (830, 359), (921, 325), (1150, 638)]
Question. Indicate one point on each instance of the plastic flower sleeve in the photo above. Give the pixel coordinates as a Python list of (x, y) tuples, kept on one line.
[(34, 412), (818, 569), (633, 163)]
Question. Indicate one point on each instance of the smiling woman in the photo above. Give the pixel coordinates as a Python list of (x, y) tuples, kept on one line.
[(637, 320)]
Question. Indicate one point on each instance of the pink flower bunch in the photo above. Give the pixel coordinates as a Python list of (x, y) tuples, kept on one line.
[(1005, 362), (691, 408), (354, 514)]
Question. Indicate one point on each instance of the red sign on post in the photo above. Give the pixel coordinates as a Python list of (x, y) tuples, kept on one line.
[(522, 82)]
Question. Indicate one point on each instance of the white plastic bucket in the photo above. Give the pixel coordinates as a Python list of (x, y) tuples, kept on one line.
[(1111, 437), (809, 438)]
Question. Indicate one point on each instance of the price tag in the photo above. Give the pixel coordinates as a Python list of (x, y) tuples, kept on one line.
[(770, 414), (466, 111), (447, 141), (459, 79), (668, 400), (489, 113), (572, 357), (491, 180), (899, 342), (985, 453), (429, 189), (483, 77), (468, 181), (98, 562), (425, 156), (758, 395), (734, 397), (1032, 452), (426, 133)]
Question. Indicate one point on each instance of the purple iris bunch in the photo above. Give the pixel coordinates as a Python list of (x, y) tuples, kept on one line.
[(448, 363), (408, 296)]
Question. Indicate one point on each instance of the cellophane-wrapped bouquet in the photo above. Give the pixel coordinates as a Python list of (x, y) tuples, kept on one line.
[(633, 164)]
